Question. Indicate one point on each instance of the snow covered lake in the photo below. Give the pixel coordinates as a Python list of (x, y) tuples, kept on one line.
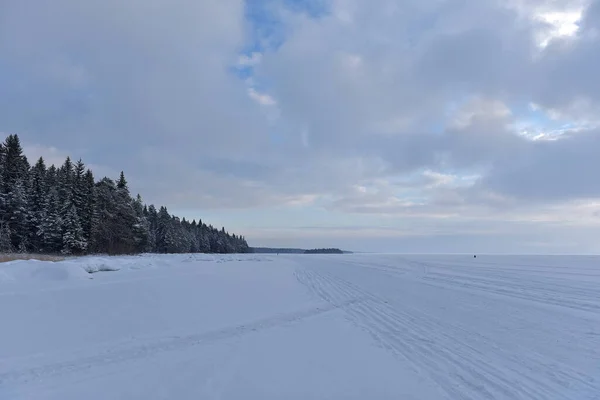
[(301, 327)]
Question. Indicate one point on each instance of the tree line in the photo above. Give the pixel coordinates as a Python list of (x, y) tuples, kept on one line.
[(324, 251), (65, 210)]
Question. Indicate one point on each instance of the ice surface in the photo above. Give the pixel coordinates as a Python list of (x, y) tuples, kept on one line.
[(301, 327)]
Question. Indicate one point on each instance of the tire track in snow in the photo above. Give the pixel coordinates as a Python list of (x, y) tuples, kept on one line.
[(544, 292), (538, 294), (448, 353), (494, 280), (497, 282), (141, 351)]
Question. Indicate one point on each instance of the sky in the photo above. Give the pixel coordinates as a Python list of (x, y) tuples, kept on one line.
[(419, 126)]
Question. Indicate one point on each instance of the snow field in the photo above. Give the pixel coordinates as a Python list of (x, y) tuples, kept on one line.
[(301, 327)]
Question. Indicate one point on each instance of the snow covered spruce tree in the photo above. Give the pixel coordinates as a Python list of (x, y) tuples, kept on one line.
[(51, 224), (73, 241), (65, 210), (37, 200), (14, 199)]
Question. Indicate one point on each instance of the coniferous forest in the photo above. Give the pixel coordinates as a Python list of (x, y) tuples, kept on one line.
[(48, 209)]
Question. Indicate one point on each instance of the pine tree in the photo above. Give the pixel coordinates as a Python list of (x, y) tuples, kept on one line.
[(66, 178), (5, 239), (72, 237), (122, 182), (183, 236), (37, 197), (17, 215), (79, 187), (203, 238), (52, 177), (3, 199), (204, 243), (50, 229), (104, 219), (141, 228), (126, 217), (87, 211), (13, 192), (165, 238), (152, 217), (14, 163)]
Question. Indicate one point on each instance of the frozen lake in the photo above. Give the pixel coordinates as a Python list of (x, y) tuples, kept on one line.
[(304, 327)]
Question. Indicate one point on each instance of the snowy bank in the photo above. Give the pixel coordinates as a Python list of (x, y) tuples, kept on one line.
[(82, 268)]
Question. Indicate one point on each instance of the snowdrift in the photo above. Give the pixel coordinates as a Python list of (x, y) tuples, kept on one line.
[(83, 268), (23, 271)]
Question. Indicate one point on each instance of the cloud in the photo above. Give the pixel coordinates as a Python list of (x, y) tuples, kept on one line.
[(249, 60), (551, 170), (415, 110), (375, 98), (57, 157), (261, 98), (117, 85), (51, 155)]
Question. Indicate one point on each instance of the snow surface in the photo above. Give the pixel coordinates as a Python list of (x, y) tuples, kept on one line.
[(301, 327)]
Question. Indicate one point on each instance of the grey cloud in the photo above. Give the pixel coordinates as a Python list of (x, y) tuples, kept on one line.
[(148, 90), (551, 170), (342, 103), (122, 79), (483, 49), (489, 54), (567, 71)]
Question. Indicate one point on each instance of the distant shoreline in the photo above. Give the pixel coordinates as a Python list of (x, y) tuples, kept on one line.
[(274, 250)]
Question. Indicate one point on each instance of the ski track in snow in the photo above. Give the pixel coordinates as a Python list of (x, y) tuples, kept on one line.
[(140, 351), (463, 363)]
